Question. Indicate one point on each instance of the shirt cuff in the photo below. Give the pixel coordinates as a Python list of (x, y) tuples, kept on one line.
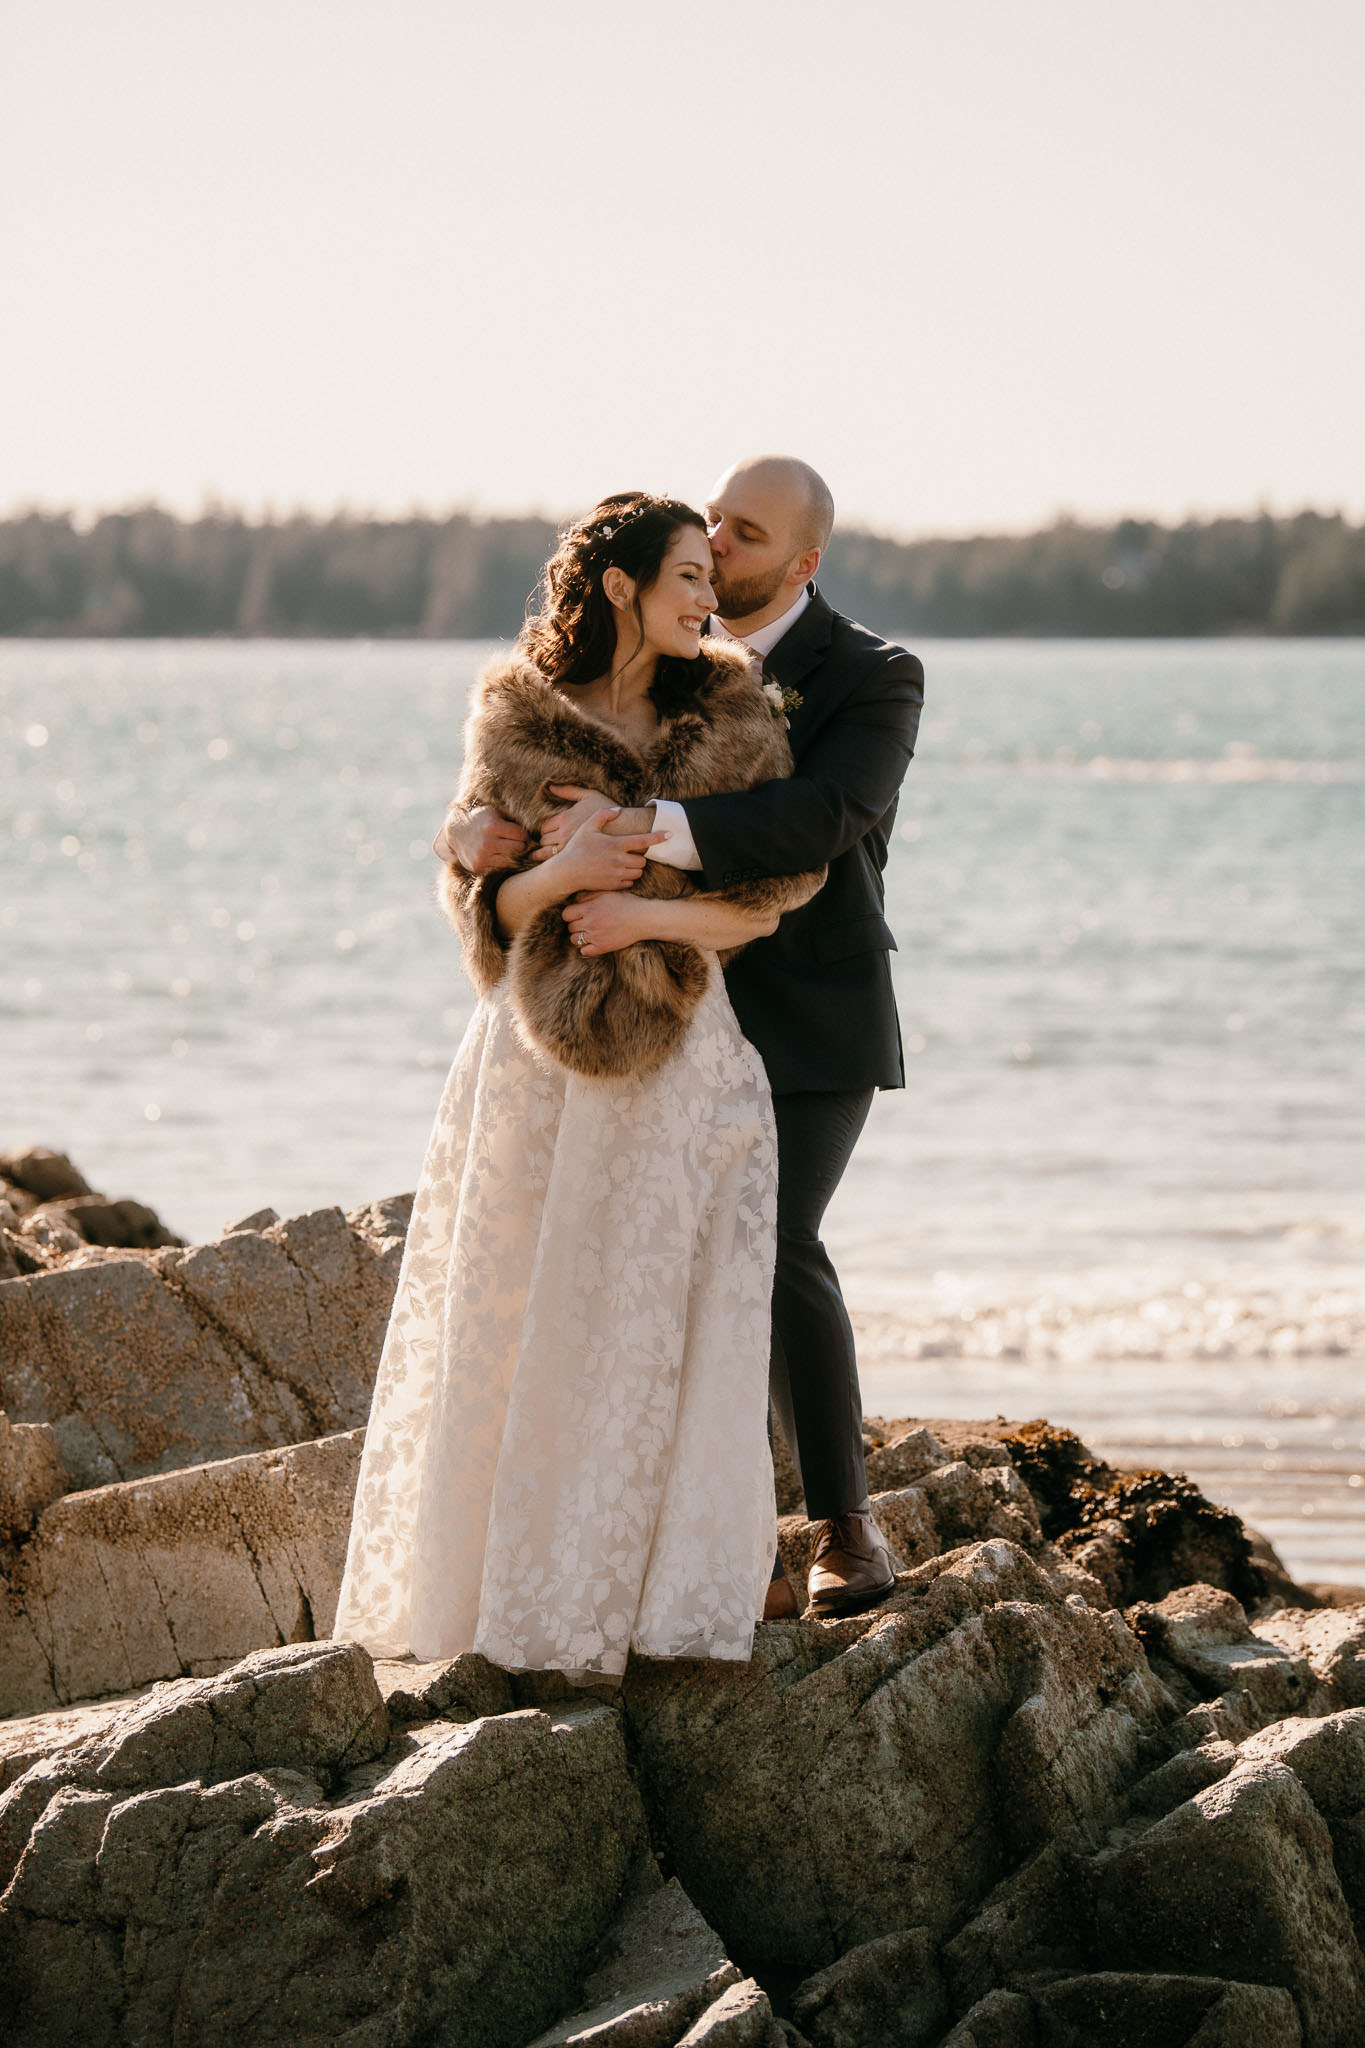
[(679, 849)]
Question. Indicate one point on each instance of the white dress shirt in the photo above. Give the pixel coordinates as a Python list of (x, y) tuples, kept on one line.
[(679, 850)]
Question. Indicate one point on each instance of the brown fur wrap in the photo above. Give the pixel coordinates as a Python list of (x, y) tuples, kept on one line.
[(625, 1012)]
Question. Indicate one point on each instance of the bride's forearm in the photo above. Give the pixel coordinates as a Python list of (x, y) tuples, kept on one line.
[(521, 897)]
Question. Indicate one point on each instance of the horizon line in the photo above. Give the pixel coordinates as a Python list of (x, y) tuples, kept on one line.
[(85, 517)]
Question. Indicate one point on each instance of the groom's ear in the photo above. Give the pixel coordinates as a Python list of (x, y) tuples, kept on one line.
[(618, 589), (807, 562)]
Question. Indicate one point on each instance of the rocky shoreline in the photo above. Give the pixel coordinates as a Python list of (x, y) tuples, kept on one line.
[(1095, 1774)]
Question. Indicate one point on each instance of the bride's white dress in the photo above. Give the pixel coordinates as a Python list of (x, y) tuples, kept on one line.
[(567, 1453)]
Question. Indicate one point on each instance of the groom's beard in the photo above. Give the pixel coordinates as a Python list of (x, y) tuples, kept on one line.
[(740, 598)]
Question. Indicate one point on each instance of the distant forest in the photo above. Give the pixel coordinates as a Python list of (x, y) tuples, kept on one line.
[(147, 572)]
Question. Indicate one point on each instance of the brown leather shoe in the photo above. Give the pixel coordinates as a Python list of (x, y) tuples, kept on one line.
[(853, 1567), (780, 1602)]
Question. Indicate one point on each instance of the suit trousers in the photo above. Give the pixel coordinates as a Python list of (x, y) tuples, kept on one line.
[(814, 1367)]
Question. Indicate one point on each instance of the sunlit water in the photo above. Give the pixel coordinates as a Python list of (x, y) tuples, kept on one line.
[(1124, 1185)]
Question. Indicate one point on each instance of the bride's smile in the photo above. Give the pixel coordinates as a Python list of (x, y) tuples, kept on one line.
[(668, 616)]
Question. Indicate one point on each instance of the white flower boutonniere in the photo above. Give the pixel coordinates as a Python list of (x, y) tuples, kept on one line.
[(782, 702)]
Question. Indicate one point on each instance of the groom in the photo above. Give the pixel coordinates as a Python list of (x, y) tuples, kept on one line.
[(815, 998)]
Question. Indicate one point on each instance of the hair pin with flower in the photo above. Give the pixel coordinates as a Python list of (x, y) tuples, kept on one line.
[(592, 536)]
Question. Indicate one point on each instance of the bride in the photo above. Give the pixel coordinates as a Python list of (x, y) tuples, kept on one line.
[(567, 1454)]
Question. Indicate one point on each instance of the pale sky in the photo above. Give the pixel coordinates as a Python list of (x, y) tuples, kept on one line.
[(979, 262)]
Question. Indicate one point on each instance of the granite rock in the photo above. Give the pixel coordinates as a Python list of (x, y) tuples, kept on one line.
[(95, 1219), (1240, 1882), (658, 1969), (740, 2018), (991, 1812), (902, 1459), (50, 1216), (861, 1776), (173, 1575), (1330, 1639), (42, 1173), (463, 1688), (32, 1476), (1128, 2011), (1327, 1756), (887, 1993), (253, 1858), (1202, 1634), (1002, 2019), (143, 1363)]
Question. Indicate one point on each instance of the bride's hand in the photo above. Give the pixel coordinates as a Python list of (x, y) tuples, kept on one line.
[(592, 860), (605, 923), (580, 805)]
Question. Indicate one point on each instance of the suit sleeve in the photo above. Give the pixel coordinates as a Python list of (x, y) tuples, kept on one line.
[(845, 781)]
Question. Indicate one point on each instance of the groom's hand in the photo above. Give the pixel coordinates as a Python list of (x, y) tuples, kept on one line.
[(580, 805), (482, 840)]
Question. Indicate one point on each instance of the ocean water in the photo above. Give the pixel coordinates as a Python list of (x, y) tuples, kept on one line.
[(1124, 1184)]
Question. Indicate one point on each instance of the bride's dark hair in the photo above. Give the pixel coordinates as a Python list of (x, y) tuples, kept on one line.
[(571, 634)]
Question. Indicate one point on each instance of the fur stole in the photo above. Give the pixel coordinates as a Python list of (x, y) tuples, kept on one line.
[(625, 1012)]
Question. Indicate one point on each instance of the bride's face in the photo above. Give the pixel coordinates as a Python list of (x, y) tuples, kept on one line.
[(677, 604)]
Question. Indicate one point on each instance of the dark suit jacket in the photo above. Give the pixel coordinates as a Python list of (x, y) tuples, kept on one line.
[(816, 998)]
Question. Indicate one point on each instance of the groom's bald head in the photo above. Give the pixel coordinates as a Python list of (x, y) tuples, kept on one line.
[(785, 481)]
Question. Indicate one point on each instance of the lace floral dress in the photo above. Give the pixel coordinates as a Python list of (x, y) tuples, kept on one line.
[(567, 1455)]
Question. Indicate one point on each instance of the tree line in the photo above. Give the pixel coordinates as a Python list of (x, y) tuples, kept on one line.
[(147, 572)]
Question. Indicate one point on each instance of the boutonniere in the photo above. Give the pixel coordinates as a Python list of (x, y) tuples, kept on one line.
[(782, 702)]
